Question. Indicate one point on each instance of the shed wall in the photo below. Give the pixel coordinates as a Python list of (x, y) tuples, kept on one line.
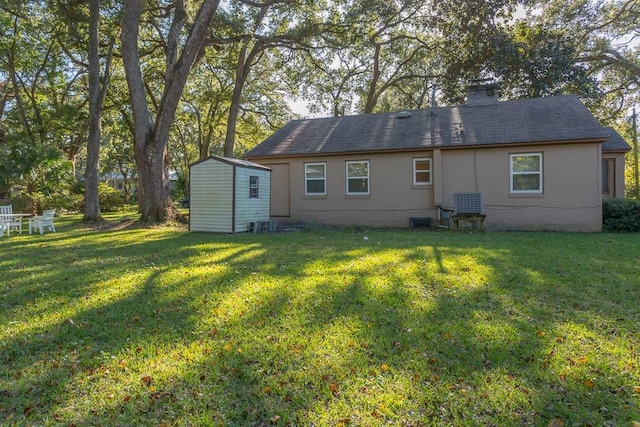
[(211, 197), (251, 209)]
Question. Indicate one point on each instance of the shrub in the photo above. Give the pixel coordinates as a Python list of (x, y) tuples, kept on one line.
[(111, 200), (621, 215)]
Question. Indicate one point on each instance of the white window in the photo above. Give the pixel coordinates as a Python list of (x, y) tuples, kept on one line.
[(253, 187), (422, 171), (526, 173), (358, 177), (315, 179)]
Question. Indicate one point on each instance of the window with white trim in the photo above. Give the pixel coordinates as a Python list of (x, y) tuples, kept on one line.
[(358, 177), (315, 179), (526, 173), (422, 171), (253, 187)]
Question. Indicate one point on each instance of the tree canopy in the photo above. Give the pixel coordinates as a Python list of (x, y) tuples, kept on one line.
[(153, 86)]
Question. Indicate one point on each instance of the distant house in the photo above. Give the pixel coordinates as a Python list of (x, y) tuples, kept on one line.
[(226, 195), (117, 181), (539, 164)]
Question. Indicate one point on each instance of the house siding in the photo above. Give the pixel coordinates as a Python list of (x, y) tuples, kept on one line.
[(617, 186), (571, 198), (251, 209), (393, 198), (211, 197)]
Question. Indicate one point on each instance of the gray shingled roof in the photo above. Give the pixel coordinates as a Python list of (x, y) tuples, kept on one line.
[(615, 142), (539, 120)]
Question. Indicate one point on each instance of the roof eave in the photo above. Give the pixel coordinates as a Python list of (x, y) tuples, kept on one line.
[(598, 140)]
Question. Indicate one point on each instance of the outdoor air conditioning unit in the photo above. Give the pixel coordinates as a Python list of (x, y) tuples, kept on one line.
[(467, 203)]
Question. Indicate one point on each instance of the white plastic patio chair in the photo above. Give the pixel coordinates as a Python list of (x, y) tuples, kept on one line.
[(43, 221), (8, 222)]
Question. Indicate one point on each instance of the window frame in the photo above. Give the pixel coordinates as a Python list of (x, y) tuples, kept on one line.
[(348, 178), (254, 187), (539, 172), (323, 179), (608, 177), (415, 170)]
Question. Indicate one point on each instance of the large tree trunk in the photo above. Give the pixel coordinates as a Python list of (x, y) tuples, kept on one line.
[(372, 93), (91, 176), (151, 138), (243, 68)]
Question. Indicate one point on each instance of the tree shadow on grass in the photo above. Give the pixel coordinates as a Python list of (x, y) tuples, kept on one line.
[(254, 337)]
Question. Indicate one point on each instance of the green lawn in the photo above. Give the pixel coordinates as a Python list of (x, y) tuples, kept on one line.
[(158, 326)]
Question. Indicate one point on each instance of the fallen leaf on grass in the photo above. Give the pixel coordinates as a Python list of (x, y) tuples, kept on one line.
[(126, 399), (146, 380), (589, 383), (275, 419), (556, 422), (334, 388)]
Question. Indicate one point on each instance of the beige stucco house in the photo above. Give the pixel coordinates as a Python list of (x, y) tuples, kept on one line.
[(539, 164)]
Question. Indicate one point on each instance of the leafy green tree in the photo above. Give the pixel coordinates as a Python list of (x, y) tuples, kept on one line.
[(41, 100), (604, 34), (152, 126)]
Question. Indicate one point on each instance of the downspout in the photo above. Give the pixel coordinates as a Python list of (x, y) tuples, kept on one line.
[(475, 170), (437, 177)]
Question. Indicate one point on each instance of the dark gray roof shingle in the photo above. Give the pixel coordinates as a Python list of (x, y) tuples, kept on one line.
[(615, 142), (539, 120)]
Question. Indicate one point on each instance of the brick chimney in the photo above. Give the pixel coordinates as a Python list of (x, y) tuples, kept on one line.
[(482, 92)]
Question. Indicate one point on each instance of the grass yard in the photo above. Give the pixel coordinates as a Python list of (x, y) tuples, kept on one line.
[(159, 326)]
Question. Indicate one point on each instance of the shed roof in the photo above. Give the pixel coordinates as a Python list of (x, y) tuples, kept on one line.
[(558, 119), (233, 161)]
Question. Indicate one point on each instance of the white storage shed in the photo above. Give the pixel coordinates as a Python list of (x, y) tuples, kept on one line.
[(227, 194)]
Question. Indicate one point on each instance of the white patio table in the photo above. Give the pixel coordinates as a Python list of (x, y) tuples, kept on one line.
[(5, 219)]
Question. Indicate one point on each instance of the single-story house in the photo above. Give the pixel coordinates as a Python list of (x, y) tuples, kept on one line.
[(227, 195), (116, 180), (539, 164)]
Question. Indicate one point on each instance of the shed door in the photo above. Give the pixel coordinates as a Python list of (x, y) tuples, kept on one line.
[(280, 189)]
